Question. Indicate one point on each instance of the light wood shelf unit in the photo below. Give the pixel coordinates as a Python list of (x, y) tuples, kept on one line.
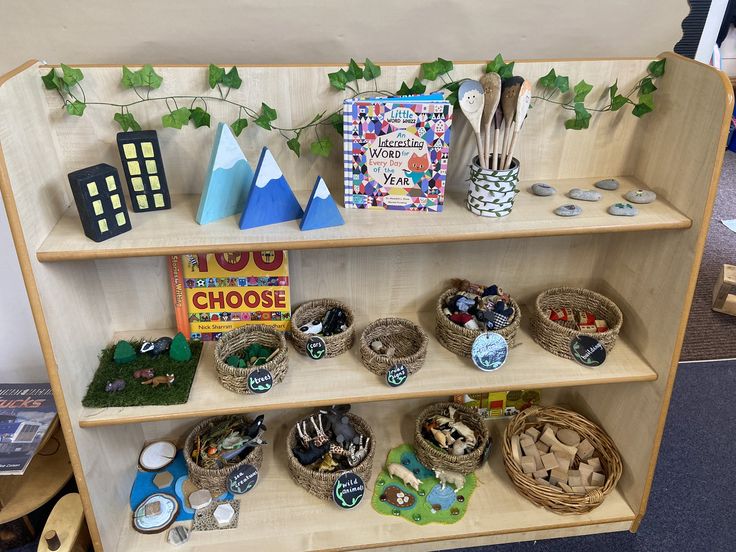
[(81, 294)]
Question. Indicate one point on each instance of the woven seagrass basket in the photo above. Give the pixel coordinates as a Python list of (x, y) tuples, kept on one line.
[(552, 498), (407, 338), (458, 339), (555, 337), (215, 481), (434, 457), (314, 310), (321, 484), (236, 379)]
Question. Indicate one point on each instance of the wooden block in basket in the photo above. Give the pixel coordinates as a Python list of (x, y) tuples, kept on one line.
[(408, 339), (236, 379), (314, 310), (549, 496), (459, 339)]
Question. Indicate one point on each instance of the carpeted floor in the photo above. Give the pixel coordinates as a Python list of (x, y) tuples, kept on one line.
[(712, 335), (692, 505)]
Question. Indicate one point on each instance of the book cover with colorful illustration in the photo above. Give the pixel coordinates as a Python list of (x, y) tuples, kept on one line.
[(395, 152), (218, 292)]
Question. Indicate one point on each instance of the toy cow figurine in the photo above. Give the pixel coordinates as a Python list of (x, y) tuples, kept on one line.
[(397, 470), (455, 479)]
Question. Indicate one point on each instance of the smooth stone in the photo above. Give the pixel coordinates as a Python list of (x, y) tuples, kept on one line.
[(640, 196), (200, 499), (569, 210), (607, 184), (178, 535), (584, 195), (623, 210), (163, 479), (223, 514), (542, 189)]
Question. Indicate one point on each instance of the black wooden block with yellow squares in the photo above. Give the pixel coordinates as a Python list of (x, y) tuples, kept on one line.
[(144, 170)]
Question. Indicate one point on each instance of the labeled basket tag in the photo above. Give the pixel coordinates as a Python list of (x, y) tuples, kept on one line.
[(397, 375), (348, 490), (260, 381), (242, 479), (587, 350), (316, 347), (489, 351)]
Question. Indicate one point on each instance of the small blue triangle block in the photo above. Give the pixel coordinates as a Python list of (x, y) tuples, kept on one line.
[(228, 180), (321, 211), (270, 200)]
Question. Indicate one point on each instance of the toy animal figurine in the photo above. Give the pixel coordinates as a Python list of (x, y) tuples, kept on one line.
[(145, 373), (340, 425), (168, 379), (115, 386), (440, 438), (311, 453), (327, 464), (397, 470), (155, 348), (357, 453), (460, 447), (455, 479)]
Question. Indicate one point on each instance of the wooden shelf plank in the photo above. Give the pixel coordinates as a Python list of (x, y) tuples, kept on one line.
[(175, 231), (345, 380), (282, 516)]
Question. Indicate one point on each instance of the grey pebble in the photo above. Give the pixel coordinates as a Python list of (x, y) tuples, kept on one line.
[(623, 210), (607, 184), (543, 189), (584, 195), (640, 196), (569, 210)]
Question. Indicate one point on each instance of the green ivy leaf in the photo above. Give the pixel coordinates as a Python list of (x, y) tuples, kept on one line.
[(416, 88), (130, 79), (321, 147), (581, 120), (582, 89), (149, 78), (177, 118), (267, 115), (371, 70), (445, 65), (199, 117), (453, 99), (495, 65), (52, 81), (429, 71), (338, 79), (232, 79), (562, 83), (126, 121), (76, 108), (336, 122), (618, 101), (613, 90), (215, 75), (239, 126), (656, 68), (71, 76), (647, 86), (645, 105), (453, 86), (549, 80), (354, 71), (294, 145)]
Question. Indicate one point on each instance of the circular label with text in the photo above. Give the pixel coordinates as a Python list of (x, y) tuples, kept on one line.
[(260, 381), (397, 375), (348, 490), (243, 479), (316, 347), (587, 350), (489, 351)]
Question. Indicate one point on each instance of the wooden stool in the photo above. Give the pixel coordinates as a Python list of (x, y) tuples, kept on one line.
[(65, 529), (724, 299)]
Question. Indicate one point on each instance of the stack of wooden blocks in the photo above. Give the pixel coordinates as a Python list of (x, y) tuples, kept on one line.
[(548, 456)]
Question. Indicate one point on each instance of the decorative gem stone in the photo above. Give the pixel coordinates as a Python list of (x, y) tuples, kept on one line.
[(460, 498), (542, 189), (200, 499), (607, 184), (584, 195), (396, 512), (180, 351), (455, 511), (381, 482), (178, 535), (569, 210), (163, 479), (124, 353), (623, 210), (223, 514), (416, 517), (640, 196)]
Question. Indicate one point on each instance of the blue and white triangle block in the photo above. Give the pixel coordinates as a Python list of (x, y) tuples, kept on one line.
[(321, 211)]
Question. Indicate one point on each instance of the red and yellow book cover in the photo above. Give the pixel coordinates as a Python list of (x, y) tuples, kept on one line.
[(218, 292)]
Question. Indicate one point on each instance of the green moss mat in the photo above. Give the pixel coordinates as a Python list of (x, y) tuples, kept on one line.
[(421, 512), (135, 393)]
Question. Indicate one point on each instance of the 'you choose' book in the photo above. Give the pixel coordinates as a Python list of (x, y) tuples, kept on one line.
[(396, 152)]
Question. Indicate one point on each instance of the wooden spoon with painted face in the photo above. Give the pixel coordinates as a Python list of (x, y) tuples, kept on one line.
[(522, 108), (471, 102), (509, 99), (491, 83)]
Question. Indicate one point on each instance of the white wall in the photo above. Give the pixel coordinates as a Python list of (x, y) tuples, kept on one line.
[(301, 31)]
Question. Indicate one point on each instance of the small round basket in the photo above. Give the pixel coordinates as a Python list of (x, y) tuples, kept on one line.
[(312, 310), (407, 338), (236, 379), (552, 498), (434, 457), (215, 481), (555, 337), (321, 484), (458, 339)]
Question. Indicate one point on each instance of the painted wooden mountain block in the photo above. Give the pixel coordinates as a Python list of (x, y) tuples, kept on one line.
[(321, 211)]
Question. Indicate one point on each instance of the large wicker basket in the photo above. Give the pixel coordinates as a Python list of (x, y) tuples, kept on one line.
[(236, 379), (552, 498), (407, 338), (321, 484), (215, 481), (555, 337), (434, 457), (334, 344), (459, 339)]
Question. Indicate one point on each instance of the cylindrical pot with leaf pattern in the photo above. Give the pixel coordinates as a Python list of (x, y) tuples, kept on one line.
[(491, 193)]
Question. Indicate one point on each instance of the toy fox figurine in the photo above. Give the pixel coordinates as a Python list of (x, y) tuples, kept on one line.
[(168, 379)]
